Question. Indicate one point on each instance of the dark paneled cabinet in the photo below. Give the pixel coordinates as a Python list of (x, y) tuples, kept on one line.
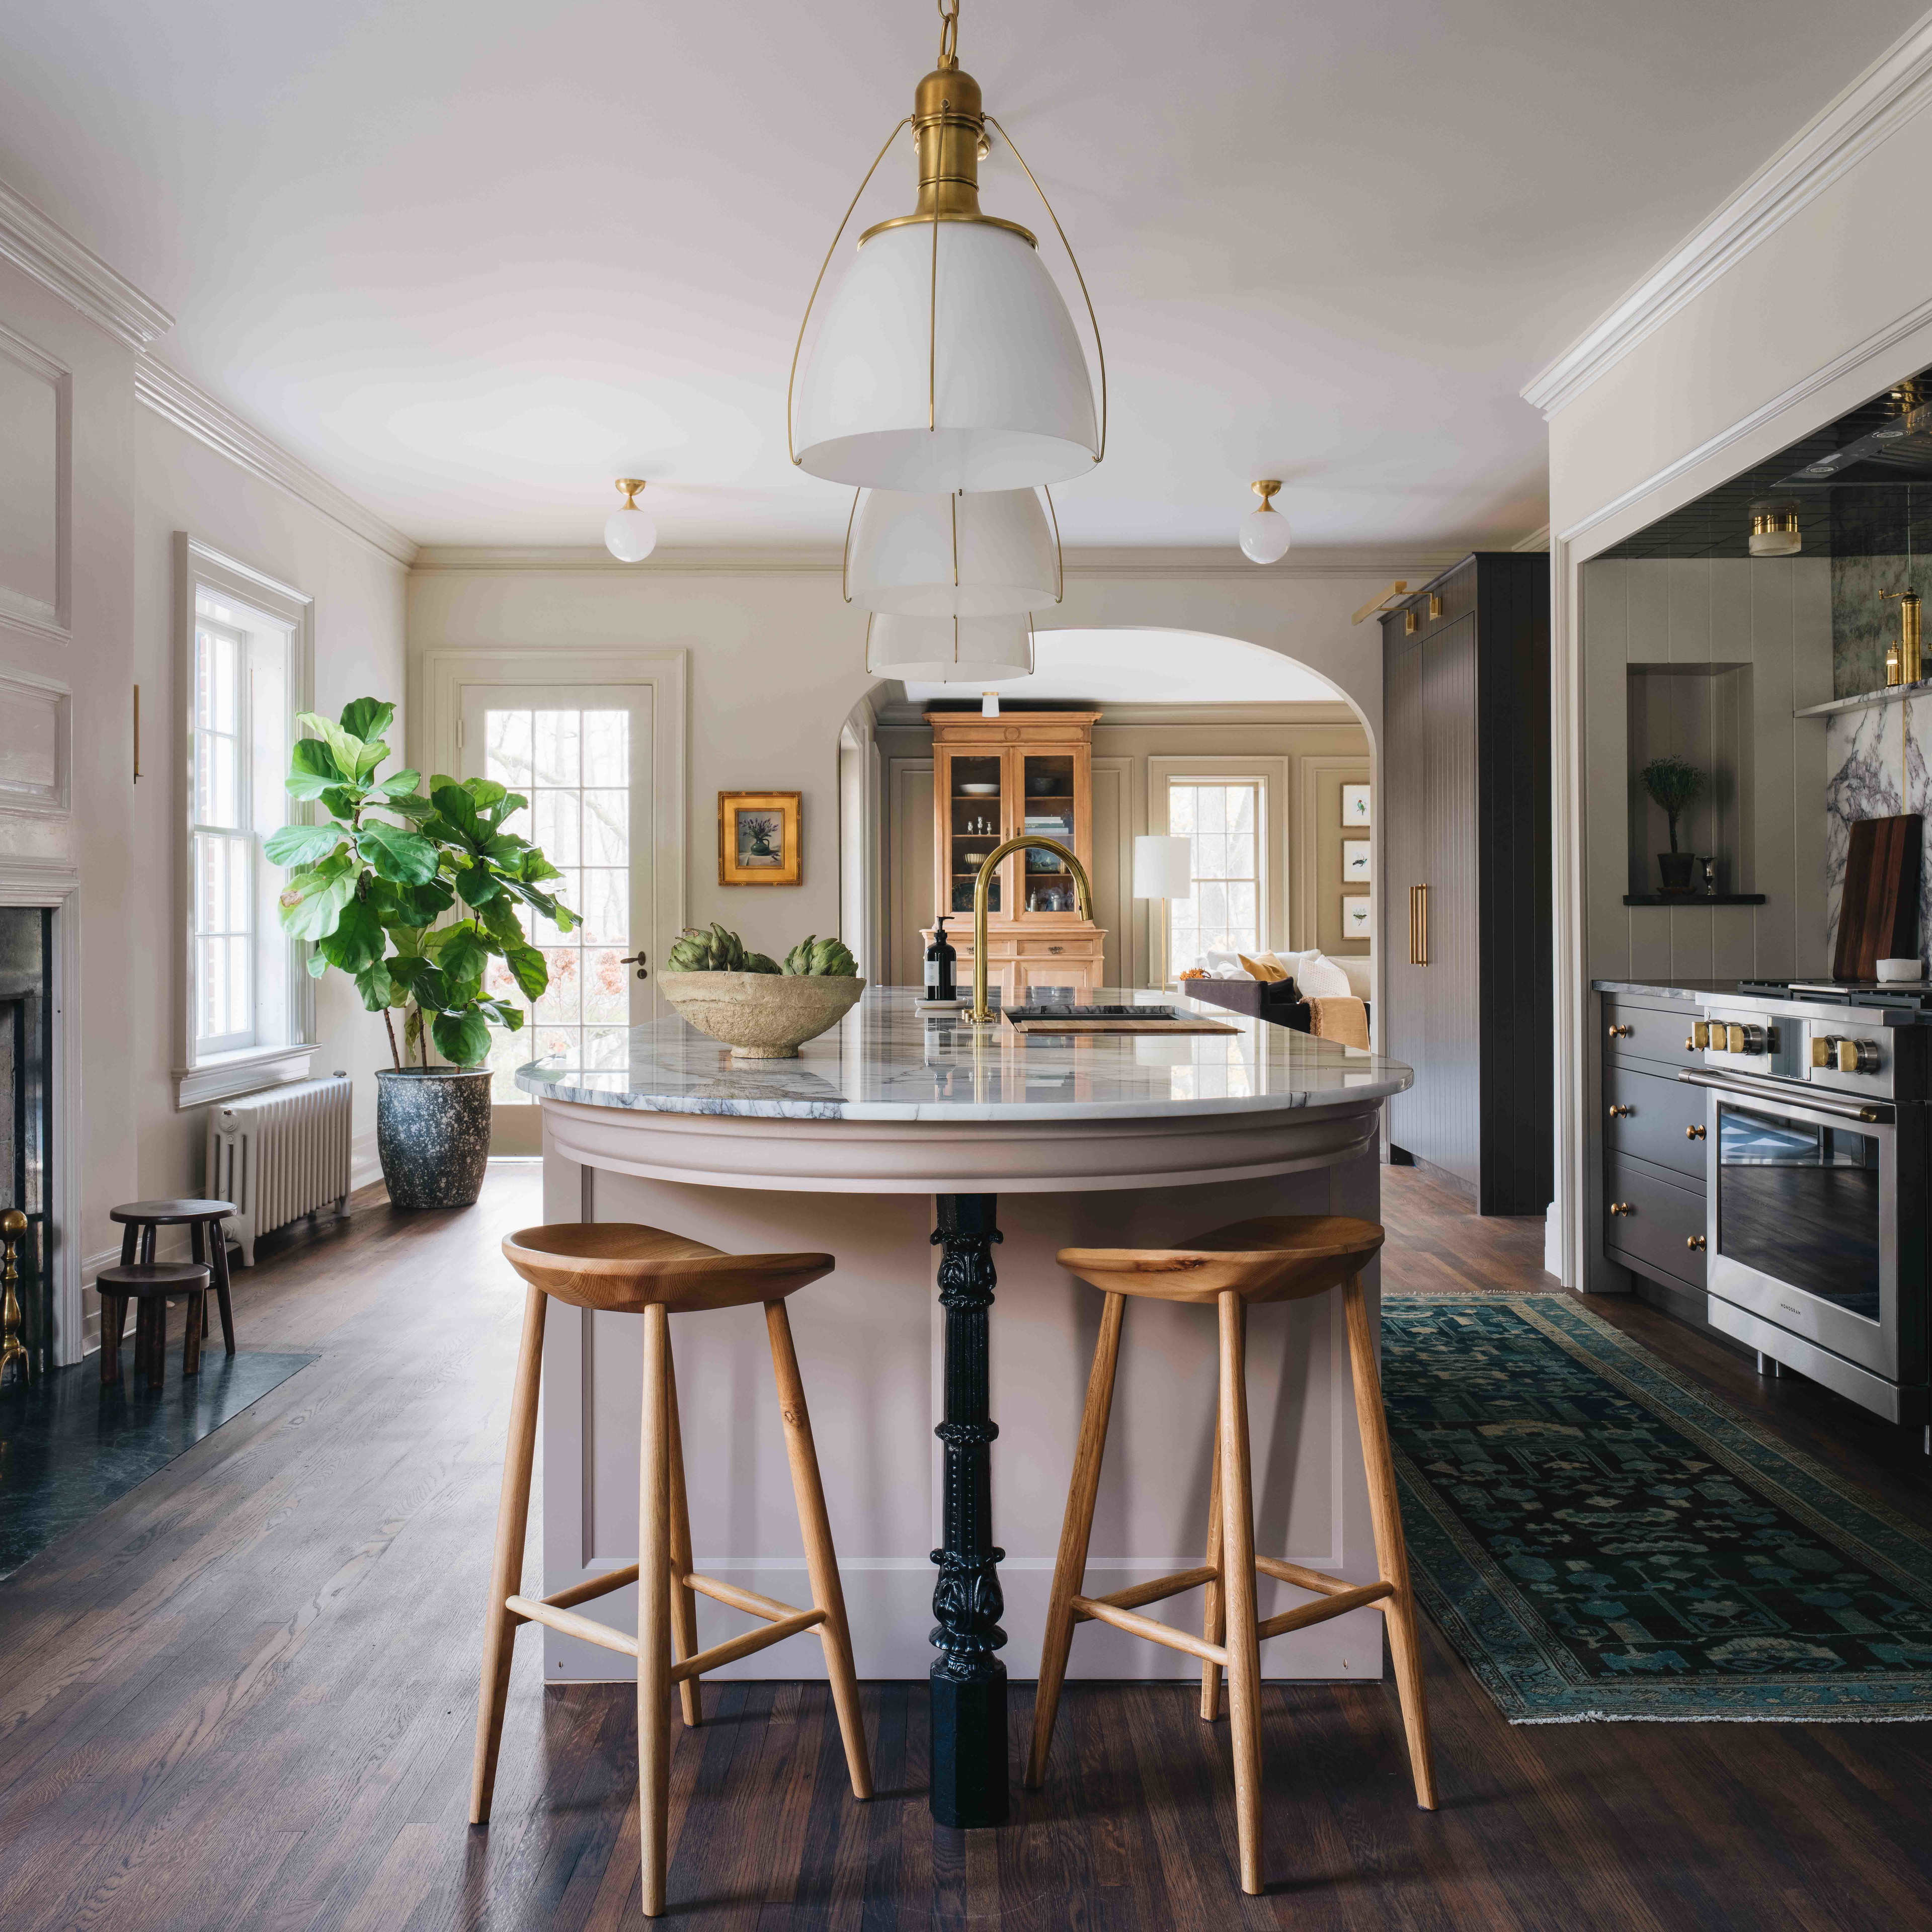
[(1465, 911)]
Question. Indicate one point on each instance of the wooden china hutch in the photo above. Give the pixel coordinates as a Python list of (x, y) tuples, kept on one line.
[(993, 778)]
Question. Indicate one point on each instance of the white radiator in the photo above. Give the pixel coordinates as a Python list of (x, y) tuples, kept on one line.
[(280, 1155)]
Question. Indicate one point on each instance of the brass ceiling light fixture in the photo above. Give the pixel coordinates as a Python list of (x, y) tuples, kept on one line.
[(629, 534), (1774, 531), (1265, 535), (947, 360)]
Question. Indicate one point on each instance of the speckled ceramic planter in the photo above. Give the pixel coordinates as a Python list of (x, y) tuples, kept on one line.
[(433, 1134)]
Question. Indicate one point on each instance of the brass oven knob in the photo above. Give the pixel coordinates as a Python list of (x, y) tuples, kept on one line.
[(1621, 1113), (1695, 1242), (1700, 1037), (1857, 1056), (1623, 1032), (1694, 1133), (1825, 1049), (1748, 1039), (1623, 1207)]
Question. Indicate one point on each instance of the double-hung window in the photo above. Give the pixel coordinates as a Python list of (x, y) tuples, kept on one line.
[(1222, 820), (245, 647)]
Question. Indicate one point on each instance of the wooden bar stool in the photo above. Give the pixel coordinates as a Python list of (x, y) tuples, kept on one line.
[(1278, 1258), (624, 1267), (208, 1241), (149, 1284)]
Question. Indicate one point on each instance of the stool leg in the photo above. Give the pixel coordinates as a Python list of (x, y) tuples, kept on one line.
[(197, 1318), (1214, 1619), (1237, 1588), (218, 1268), (1070, 1568), (821, 1562), (130, 1235), (1391, 1553), (506, 1564), (113, 1323), (683, 1599), (151, 1339), (654, 1617)]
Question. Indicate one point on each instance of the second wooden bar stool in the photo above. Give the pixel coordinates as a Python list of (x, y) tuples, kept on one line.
[(624, 1267), (1285, 1258)]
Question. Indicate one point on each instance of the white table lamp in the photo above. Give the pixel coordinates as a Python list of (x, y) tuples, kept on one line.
[(1163, 870)]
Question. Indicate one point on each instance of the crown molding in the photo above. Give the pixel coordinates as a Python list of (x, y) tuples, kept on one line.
[(1875, 105), (171, 395), (47, 252), (826, 560), (1536, 541), (900, 713)]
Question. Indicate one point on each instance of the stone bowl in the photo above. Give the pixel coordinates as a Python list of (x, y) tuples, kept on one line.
[(760, 1015)]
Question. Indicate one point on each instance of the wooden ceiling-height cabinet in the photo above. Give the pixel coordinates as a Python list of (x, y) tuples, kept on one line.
[(993, 778)]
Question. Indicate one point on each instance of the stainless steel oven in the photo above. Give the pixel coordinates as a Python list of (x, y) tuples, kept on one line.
[(1816, 1228)]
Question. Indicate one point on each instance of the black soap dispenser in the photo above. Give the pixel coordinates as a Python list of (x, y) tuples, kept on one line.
[(940, 960)]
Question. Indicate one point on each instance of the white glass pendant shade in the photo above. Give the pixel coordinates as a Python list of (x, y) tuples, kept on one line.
[(989, 554), (629, 535), (990, 344), (979, 651), (1265, 535)]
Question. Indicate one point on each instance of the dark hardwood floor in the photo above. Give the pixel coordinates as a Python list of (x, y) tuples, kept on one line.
[(242, 1698)]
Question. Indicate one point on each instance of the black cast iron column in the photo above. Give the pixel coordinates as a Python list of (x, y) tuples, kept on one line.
[(969, 1682)]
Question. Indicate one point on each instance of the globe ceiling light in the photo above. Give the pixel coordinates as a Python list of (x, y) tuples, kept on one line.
[(947, 359), (629, 535), (989, 554), (1774, 531), (1265, 535), (950, 650)]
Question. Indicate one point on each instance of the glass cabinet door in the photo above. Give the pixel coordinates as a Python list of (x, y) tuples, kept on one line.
[(1044, 782), (976, 810)]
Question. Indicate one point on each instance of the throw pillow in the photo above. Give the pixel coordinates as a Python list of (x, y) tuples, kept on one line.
[(1319, 977), (1263, 966)]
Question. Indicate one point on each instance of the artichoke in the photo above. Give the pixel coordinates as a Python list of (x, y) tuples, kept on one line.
[(825, 958), (712, 949), (760, 962)]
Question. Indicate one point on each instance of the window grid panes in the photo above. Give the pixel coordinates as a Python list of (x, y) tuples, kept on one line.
[(1221, 822), (574, 767), (222, 843)]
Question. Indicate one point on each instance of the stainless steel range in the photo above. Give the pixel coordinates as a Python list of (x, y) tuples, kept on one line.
[(1819, 1102)]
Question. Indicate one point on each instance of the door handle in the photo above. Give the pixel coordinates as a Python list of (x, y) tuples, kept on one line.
[(641, 960)]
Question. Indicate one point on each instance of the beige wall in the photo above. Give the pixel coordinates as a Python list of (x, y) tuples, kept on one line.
[(1305, 752)]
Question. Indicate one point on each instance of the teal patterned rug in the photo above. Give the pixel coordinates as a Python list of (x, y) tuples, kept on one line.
[(1600, 1538)]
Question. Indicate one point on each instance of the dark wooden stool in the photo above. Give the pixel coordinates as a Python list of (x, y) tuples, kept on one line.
[(1283, 1258), (202, 1220), (627, 1268), (150, 1283)]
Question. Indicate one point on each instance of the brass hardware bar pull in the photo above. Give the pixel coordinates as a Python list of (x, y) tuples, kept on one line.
[(13, 1350), (1418, 926)]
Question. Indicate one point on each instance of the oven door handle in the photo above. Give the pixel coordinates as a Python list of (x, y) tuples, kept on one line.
[(1804, 1100)]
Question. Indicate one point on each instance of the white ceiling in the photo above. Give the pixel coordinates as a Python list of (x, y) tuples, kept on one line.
[(1150, 666), (472, 261)]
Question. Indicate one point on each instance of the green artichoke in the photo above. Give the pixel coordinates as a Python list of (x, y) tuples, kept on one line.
[(825, 958), (712, 949)]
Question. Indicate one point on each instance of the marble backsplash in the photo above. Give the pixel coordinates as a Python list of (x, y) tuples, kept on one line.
[(1876, 760)]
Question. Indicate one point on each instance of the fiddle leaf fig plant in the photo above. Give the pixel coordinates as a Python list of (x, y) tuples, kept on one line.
[(367, 888)]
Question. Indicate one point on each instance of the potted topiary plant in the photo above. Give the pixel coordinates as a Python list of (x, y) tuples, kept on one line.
[(1673, 783), (367, 889)]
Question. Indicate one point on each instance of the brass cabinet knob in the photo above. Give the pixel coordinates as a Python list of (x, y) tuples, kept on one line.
[(1695, 1242), (1694, 1133), (1623, 1207), (1621, 1113), (1623, 1032)]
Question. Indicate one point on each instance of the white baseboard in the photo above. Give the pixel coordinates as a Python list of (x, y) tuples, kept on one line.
[(365, 1165)]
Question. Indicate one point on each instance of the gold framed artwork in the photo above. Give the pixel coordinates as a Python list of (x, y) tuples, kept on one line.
[(760, 839)]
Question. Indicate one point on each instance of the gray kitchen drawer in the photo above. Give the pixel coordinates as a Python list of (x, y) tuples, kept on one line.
[(1663, 1220), (1659, 1126), (1648, 1032)]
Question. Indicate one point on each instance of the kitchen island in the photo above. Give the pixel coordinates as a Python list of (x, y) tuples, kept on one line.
[(890, 1143)]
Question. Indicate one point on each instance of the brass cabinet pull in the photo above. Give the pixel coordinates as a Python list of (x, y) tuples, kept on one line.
[(1694, 1133), (1623, 1032), (1623, 1207), (1621, 1113), (1695, 1242), (1418, 926)]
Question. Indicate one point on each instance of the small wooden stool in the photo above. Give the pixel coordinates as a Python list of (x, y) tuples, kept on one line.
[(624, 1267), (1278, 1258), (151, 1283), (208, 1241)]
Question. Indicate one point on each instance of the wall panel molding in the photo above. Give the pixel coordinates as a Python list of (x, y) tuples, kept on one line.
[(1893, 89), (39, 245)]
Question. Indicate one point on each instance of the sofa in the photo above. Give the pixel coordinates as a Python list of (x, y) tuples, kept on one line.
[(1279, 1001)]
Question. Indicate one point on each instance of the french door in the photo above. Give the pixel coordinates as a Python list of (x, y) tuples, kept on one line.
[(581, 754)]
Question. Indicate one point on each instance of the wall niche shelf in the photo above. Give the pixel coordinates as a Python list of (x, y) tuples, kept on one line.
[(1694, 899), (1865, 700)]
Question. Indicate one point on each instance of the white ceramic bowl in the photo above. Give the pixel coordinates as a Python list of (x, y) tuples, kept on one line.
[(1891, 972), (980, 791), (760, 1015)]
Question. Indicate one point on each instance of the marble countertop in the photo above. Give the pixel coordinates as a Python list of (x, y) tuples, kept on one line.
[(886, 1061), (1667, 989)]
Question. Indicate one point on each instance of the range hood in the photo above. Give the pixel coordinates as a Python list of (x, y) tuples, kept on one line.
[(1898, 452)]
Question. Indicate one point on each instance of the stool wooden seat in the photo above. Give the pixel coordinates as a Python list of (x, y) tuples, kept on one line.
[(208, 1241), (625, 1268), (150, 1284), (1285, 1258)]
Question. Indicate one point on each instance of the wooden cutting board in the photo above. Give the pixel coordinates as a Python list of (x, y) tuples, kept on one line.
[(1878, 915), (1121, 1026)]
